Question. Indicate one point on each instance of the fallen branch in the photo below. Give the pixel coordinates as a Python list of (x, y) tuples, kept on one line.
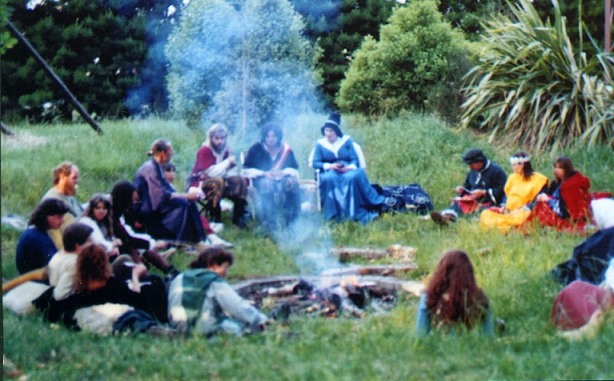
[(403, 253)]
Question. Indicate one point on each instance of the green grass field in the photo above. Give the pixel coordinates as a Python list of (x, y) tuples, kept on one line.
[(410, 149)]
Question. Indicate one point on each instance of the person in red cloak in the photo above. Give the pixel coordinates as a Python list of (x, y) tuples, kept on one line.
[(565, 205)]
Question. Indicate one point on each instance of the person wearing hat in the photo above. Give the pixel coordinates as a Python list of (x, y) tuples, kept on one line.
[(345, 190), (483, 188)]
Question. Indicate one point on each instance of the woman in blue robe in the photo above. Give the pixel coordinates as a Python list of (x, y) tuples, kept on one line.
[(345, 190), (166, 213)]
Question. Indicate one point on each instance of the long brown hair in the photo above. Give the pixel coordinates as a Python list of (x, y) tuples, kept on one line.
[(93, 269), (453, 295), (106, 225), (566, 164)]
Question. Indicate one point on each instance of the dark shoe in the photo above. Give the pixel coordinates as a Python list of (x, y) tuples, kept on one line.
[(438, 219), (241, 222)]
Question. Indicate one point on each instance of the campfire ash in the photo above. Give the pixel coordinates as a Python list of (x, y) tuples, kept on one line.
[(328, 296)]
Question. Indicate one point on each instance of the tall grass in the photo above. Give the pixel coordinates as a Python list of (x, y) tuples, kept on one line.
[(512, 269)]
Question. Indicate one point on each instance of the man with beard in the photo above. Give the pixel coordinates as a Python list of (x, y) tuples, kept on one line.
[(216, 172), (65, 180)]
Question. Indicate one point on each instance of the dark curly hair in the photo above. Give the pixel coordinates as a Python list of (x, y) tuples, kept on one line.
[(92, 268), (212, 256), (48, 207)]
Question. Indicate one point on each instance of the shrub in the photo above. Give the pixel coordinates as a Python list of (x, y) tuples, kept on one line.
[(532, 86), (412, 57)]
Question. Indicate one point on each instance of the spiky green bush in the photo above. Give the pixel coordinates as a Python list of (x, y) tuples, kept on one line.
[(531, 86)]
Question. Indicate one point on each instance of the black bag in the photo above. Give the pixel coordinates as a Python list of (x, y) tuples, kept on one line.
[(408, 197)]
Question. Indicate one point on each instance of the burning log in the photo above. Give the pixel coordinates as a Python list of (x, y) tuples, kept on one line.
[(399, 252)]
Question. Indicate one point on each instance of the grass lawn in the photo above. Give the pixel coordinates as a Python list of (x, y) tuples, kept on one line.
[(409, 149)]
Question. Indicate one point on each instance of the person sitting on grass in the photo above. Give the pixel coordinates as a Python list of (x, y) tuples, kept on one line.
[(65, 182), (521, 190), (60, 268), (134, 244), (482, 189), (578, 309), (452, 298), (210, 228), (95, 285), (35, 247), (167, 214), (565, 204), (200, 300), (63, 266), (590, 258), (97, 216)]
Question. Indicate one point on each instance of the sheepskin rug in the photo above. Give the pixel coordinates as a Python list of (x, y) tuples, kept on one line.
[(99, 319)]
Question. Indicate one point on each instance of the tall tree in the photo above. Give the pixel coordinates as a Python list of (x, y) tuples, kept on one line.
[(242, 63), (96, 47)]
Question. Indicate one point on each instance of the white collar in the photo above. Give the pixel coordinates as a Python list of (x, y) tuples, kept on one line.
[(334, 147)]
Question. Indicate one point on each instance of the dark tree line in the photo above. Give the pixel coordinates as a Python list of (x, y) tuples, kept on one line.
[(111, 52)]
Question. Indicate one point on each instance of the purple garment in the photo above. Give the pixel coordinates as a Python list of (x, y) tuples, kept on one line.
[(165, 217)]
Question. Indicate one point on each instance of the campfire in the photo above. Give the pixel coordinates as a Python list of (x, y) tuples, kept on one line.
[(328, 296), (351, 291)]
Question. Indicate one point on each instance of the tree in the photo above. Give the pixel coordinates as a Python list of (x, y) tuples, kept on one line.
[(96, 47), (532, 85), (339, 27), (6, 40), (242, 64), (417, 52)]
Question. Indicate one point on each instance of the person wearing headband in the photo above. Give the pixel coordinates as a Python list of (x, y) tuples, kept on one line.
[(482, 189), (521, 189), (345, 190)]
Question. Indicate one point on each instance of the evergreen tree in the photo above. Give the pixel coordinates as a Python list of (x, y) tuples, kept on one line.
[(417, 52), (241, 63), (339, 27), (96, 47)]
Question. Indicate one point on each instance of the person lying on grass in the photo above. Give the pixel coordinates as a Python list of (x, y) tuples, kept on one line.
[(95, 285), (35, 247), (200, 300), (578, 310), (452, 298)]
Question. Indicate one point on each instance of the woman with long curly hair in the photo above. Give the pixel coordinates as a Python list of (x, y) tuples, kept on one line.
[(452, 297)]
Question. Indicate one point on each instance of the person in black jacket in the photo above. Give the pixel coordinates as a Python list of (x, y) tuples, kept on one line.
[(482, 189)]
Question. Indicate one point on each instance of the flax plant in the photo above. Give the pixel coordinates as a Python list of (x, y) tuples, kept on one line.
[(533, 87)]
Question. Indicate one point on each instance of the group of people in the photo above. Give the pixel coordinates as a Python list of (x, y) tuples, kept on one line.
[(138, 220), (523, 198)]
